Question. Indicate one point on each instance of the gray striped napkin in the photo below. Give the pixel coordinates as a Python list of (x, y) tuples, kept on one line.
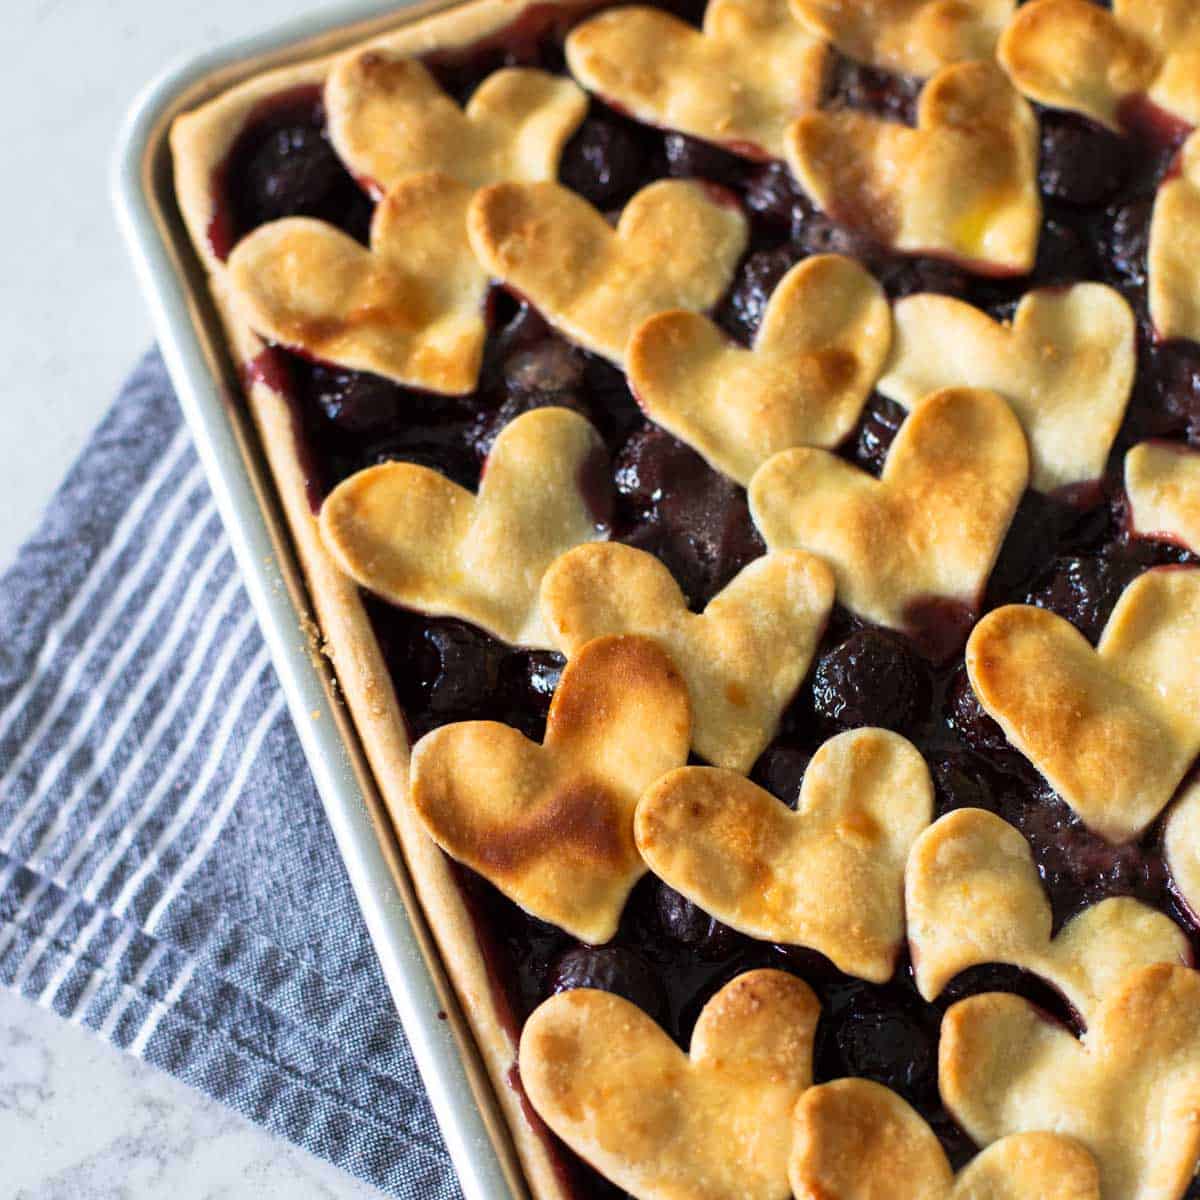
[(167, 877)]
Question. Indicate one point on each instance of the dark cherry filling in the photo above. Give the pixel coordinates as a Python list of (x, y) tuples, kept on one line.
[(1084, 590), (1082, 163), (759, 275), (873, 678), (1070, 554), (282, 165), (672, 504), (851, 84)]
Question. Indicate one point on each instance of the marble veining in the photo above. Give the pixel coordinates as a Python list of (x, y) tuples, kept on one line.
[(81, 1121)]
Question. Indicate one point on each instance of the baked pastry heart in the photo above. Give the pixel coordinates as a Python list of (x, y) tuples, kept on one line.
[(1065, 364), (1162, 481), (743, 658), (829, 876), (1174, 255), (388, 119), (857, 1140), (675, 246), (1181, 847), (738, 83), (924, 535), (552, 825), (1129, 1090), (410, 308), (421, 541), (663, 1124), (973, 897), (963, 184), (819, 350), (911, 37), (1114, 729), (1076, 55)]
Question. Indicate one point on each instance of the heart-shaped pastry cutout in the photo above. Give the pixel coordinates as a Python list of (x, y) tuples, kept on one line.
[(925, 534), (552, 825), (1174, 256), (962, 185), (1066, 365), (829, 876), (421, 541), (1129, 1091), (1162, 481), (675, 246), (410, 308), (1112, 729), (974, 897), (388, 119), (738, 83), (665, 1125), (1181, 847), (910, 37), (857, 1140), (823, 340), (743, 657), (1076, 55)]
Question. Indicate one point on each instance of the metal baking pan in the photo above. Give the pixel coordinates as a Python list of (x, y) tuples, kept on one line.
[(193, 346)]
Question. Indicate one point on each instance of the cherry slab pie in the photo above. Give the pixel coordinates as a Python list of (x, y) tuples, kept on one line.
[(745, 459)]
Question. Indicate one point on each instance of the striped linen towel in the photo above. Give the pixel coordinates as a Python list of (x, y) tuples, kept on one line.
[(167, 877)]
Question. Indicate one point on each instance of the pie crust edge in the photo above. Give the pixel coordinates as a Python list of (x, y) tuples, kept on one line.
[(200, 140)]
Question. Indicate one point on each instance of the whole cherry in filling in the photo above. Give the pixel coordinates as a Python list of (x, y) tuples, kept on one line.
[(758, 277), (872, 678), (1084, 590), (675, 505), (283, 165), (961, 780), (965, 715), (877, 429), (780, 769), (689, 925), (610, 969), (608, 159), (883, 1037), (547, 373)]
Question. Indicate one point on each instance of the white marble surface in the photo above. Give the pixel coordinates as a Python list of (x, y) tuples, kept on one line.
[(78, 1120)]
